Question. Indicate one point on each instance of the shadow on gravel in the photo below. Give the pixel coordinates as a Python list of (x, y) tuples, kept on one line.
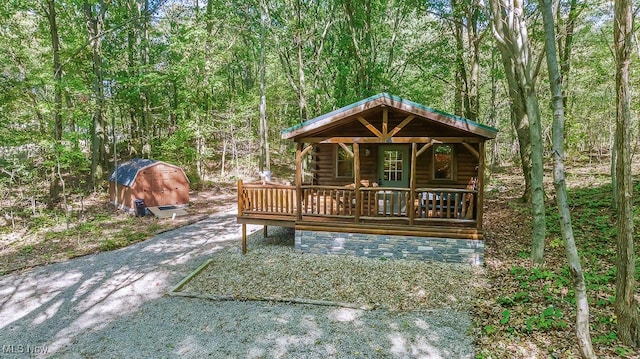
[(199, 328), (48, 307)]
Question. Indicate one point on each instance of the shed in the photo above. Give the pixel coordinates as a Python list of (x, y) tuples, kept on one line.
[(157, 183)]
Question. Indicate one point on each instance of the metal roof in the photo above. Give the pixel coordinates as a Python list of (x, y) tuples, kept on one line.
[(127, 171), (389, 100)]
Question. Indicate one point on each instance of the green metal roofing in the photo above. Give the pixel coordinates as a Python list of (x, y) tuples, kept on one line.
[(394, 98)]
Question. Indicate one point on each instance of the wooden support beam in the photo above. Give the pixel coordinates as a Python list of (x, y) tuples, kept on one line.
[(240, 198), (369, 126), (299, 181), (385, 122), (424, 148), (265, 231), (306, 150), (401, 125), (473, 151), (244, 238), (356, 171), (412, 184), (480, 184), (346, 149)]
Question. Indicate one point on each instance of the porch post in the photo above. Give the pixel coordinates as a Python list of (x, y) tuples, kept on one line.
[(480, 185), (240, 199), (356, 177), (412, 184), (244, 238), (298, 181)]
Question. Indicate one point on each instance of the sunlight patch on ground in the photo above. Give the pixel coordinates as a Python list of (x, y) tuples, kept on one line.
[(345, 314), (22, 298), (122, 294), (47, 313)]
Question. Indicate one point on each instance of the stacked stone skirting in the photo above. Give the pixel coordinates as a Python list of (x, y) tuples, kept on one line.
[(470, 251)]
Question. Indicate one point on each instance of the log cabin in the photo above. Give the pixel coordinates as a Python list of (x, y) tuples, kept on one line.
[(388, 178)]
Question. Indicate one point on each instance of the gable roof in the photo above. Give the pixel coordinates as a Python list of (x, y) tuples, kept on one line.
[(127, 171), (385, 99)]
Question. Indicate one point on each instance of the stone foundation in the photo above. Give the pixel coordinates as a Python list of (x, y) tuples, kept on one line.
[(468, 251)]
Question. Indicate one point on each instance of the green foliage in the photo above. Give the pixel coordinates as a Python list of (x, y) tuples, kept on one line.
[(550, 318)]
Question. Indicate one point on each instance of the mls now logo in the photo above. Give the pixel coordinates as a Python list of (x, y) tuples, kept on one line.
[(24, 349)]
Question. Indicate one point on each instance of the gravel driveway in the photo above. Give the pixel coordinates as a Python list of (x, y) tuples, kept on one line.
[(111, 305)]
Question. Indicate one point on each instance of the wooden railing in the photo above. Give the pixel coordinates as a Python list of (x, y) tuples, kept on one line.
[(365, 203), (446, 203), (266, 198), (385, 202), (328, 201)]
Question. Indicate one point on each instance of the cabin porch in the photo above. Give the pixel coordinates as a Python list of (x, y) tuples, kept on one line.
[(380, 177), (425, 212)]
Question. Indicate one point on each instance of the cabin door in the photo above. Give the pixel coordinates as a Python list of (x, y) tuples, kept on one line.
[(393, 166), (393, 171)]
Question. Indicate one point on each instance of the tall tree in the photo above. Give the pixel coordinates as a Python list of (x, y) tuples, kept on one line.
[(50, 11), (510, 31), (559, 182), (94, 17), (145, 50), (465, 24), (264, 161), (626, 306)]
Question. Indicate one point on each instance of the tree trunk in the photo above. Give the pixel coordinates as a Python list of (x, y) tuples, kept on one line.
[(555, 81), (264, 163), (95, 25), (132, 44), (465, 22), (302, 86), (626, 307), (50, 11), (519, 120), (146, 91), (510, 30), (57, 69)]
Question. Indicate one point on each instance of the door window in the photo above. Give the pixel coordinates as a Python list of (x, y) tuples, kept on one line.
[(392, 165)]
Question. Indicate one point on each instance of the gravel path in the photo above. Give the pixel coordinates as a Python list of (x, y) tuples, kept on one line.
[(111, 305)]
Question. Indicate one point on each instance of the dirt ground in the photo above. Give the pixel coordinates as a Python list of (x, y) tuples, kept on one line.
[(97, 226)]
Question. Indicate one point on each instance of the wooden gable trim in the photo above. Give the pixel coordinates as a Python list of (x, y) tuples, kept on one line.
[(340, 116), (370, 127), (401, 125), (391, 140)]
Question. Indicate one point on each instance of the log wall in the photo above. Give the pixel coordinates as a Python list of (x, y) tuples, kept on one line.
[(324, 166)]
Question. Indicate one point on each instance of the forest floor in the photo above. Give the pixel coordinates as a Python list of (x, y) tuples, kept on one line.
[(96, 226), (523, 312), (527, 311)]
